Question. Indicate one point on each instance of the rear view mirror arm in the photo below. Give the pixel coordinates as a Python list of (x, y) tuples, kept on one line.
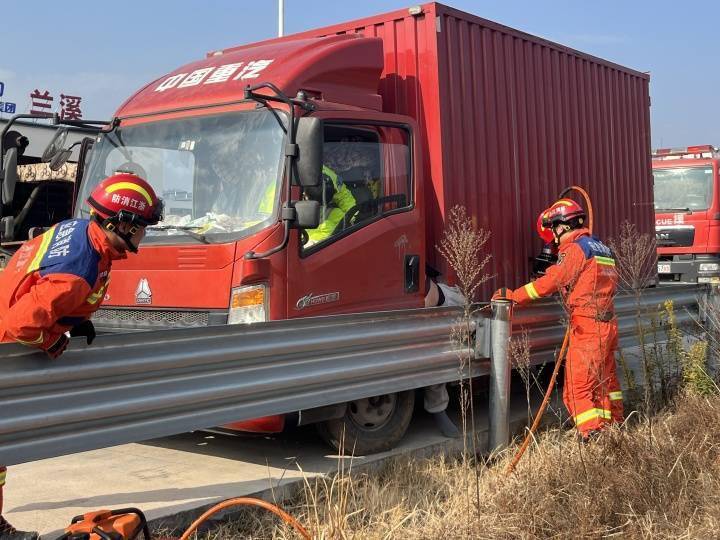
[(288, 214)]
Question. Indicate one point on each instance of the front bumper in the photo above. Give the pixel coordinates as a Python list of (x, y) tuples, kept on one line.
[(686, 269)]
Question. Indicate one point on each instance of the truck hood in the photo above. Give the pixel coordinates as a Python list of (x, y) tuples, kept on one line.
[(152, 277), (200, 275)]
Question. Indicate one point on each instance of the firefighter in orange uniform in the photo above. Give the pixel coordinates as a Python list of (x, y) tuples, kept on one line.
[(586, 278), (56, 281)]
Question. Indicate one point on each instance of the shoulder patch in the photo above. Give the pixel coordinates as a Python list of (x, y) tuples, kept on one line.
[(592, 247), (70, 252)]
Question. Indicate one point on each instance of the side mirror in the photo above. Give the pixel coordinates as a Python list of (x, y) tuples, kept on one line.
[(308, 165), (307, 214), (10, 176), (59, 159), (56, 145)]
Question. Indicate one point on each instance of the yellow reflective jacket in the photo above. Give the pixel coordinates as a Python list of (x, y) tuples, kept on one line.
[(342, 201)]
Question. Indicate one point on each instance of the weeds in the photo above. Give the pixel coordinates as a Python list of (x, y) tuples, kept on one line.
[(461, 246), (650, 481)]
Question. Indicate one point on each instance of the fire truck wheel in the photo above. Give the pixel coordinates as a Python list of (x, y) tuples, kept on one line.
[(370, 425)]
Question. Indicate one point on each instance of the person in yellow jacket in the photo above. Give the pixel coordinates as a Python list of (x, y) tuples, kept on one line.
[(336, 200), (332, 194)]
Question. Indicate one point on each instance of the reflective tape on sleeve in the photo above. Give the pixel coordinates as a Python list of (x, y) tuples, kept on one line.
[(531, 291)]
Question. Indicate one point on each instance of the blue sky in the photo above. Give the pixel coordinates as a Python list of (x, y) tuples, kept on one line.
[(103, 51)]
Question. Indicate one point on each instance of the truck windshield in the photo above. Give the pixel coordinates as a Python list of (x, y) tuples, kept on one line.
[(217, 174), (687, 188)]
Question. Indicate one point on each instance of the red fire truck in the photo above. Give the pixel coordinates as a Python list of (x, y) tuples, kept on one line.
[(687, 214), (410, 113)]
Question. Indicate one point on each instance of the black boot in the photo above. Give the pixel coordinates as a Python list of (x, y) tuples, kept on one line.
[(591, 436), (8, 532), (446, 426)]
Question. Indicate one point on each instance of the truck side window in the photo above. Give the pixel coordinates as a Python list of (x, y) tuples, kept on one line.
[(366, 175)]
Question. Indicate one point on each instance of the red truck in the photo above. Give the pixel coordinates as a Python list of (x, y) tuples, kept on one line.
[(411, 112), (687, 214)]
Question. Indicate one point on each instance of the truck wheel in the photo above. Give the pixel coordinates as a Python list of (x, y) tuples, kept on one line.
[(370, 425)]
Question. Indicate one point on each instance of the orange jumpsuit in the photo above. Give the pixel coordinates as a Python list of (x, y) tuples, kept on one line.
[(586, 278), (53, 283)]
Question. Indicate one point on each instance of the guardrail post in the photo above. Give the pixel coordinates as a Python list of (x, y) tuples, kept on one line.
[(712, 322), (500, 375)]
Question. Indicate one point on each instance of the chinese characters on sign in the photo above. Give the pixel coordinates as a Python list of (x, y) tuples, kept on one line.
[(41, 104), (70, 107), (238, 71)]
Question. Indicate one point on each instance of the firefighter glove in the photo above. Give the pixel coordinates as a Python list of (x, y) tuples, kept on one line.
[(501, 294), (57, 348), (86, 329)]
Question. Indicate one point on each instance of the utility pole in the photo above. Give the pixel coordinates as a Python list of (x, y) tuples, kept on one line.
[(281, 17)]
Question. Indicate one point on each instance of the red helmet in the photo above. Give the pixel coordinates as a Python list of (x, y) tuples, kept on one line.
[(545, 232), (125, 197), (562, 211)]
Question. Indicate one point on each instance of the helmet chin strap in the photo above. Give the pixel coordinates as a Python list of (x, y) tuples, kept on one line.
[(127, 238), (565, 230), (111, 224)]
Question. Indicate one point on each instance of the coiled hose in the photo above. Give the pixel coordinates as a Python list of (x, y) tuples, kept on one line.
[(561, 354)]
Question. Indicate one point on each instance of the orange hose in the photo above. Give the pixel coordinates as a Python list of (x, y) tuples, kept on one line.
[(247, 501), (561, 356)]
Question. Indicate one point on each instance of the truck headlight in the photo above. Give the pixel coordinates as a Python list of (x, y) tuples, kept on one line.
[(248, 305), (709, 267)]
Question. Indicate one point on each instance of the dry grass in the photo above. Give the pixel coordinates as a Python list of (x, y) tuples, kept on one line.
[(659, 480)]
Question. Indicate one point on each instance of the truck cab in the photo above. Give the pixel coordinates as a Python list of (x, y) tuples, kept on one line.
[(219, 160), (223, 141), (687, 214)]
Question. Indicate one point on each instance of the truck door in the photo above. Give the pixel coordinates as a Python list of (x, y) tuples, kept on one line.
[(368, 253)]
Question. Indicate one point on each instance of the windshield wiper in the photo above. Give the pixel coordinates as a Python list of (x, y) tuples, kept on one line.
[(187, 229), (673, 210)]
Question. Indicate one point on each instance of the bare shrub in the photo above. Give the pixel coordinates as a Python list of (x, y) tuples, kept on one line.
[(635, 256), (461, 246)]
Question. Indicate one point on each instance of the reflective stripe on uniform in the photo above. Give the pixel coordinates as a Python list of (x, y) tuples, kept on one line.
[(615, 396), (531, 291), (37, 341), (3, 474), (46, 238), (592, 414), (607, 261), (100, 294)]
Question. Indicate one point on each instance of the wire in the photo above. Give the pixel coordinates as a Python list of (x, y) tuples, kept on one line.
[(246, 501), (561, 355)]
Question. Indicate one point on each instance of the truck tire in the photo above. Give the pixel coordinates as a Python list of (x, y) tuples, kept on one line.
[(370, 425)]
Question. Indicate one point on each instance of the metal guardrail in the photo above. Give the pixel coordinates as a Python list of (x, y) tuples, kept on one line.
[(545, 322), (132, 387)]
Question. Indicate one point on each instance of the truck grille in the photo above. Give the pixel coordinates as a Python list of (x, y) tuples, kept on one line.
[(675, 236), (142, 319)]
